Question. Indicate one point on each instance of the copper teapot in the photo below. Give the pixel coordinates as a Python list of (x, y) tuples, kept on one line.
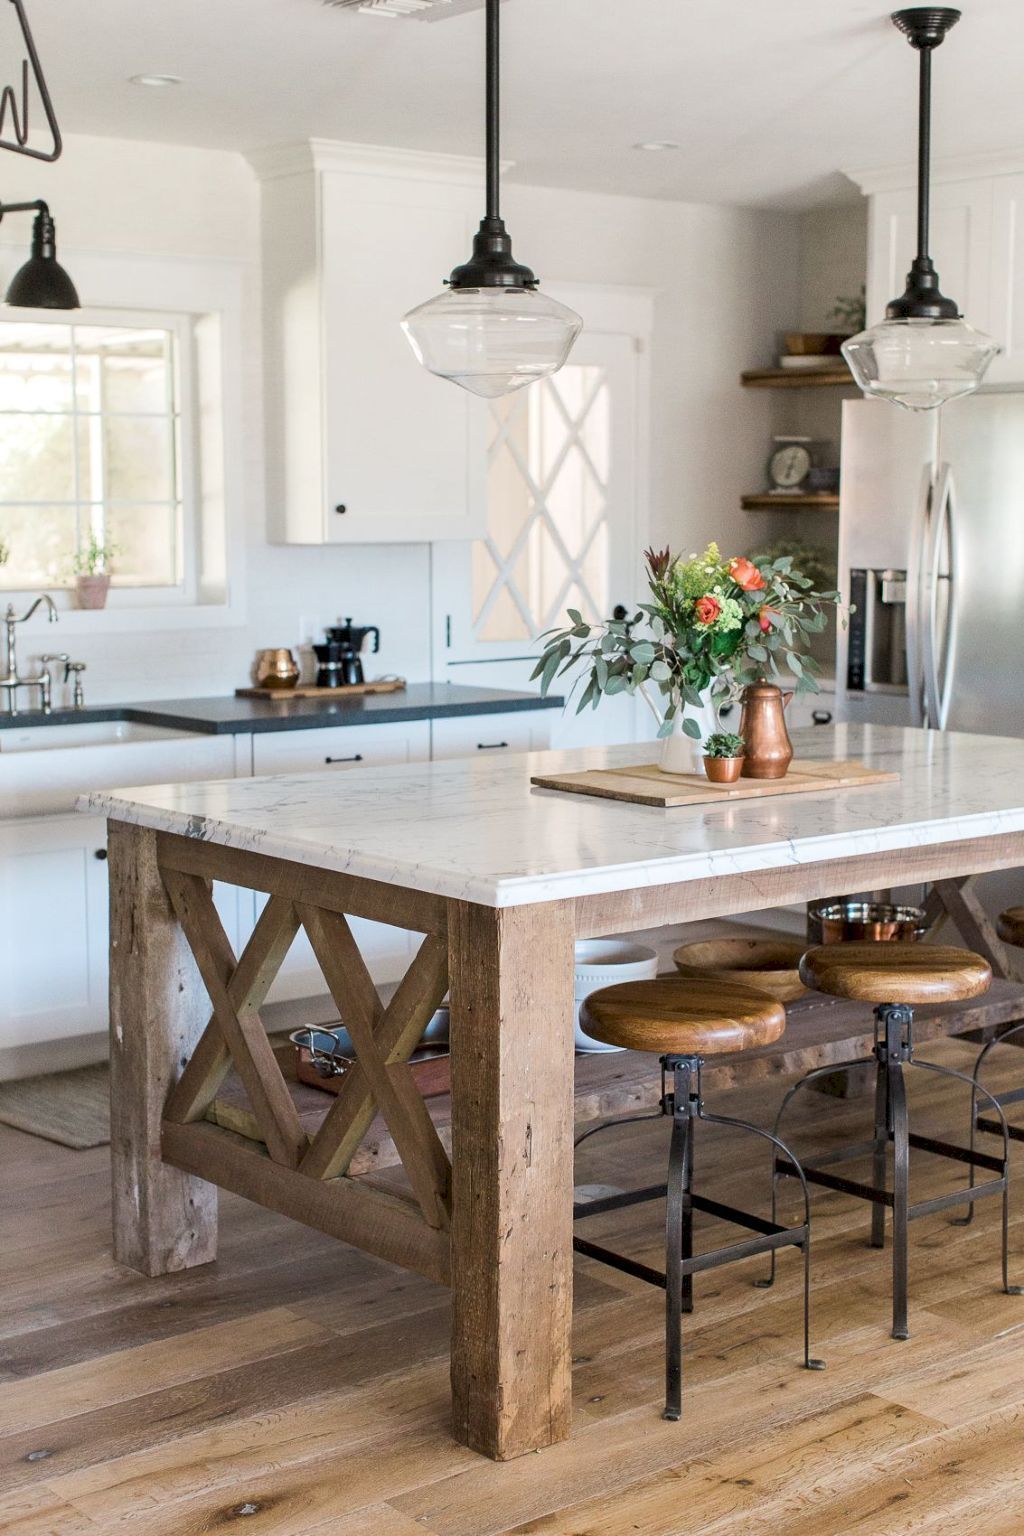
[(768, 750)]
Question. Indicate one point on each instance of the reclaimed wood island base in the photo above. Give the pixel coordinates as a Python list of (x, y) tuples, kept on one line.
[(501, 880)]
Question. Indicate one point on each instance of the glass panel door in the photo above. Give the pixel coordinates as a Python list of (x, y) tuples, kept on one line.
[(561, 527)]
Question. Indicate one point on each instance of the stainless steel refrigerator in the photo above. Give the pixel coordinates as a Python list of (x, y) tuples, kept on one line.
[(931, 552)]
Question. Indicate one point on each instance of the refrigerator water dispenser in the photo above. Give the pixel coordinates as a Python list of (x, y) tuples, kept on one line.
[(877, 636)]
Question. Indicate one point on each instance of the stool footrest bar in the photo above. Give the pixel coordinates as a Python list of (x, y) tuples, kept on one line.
[(958, 1154), (1015, 1132)]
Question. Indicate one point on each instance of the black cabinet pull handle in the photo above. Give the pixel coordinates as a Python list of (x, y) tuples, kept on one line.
[(356, 759), (490, 746), (822, 716), (101, 854)]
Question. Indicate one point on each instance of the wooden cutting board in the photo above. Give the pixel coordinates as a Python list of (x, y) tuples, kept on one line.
[(648, 785), (392, 685)]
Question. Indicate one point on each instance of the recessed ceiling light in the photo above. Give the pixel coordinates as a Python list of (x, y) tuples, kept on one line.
[(658, 144), (156, 80)]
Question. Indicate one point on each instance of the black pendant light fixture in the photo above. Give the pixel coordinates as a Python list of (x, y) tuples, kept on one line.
[(923, 353), (491, 331), (42, 282)]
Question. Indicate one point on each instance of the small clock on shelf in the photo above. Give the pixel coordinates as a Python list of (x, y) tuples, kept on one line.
[(790, 463)]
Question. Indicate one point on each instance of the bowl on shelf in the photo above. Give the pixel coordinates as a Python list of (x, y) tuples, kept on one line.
[(604, 963), (835, 922), (769, 965)]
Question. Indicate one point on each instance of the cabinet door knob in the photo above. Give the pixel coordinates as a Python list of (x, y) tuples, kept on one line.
[(822, 716), (101, 854), (357, 758), (341, 509)]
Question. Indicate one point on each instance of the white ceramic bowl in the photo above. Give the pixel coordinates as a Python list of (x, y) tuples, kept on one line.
[(604, 963)]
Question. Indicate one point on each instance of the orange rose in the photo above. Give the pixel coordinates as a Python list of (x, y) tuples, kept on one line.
[(765, 617), (746, 574), (707, 609)]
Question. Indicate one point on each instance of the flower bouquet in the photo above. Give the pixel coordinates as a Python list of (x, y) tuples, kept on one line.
[(714, 627)]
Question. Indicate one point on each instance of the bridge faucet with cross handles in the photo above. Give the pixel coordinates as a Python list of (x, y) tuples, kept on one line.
[(10, 682)]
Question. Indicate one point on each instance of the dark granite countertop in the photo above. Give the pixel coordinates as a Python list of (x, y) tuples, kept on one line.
[(230, 716)]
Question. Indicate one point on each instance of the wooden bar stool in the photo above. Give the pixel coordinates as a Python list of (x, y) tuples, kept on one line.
[(896, 977), (684, 1021)]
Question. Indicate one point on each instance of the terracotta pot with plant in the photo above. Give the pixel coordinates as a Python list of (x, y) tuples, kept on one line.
[(92, 567), (723, 757)]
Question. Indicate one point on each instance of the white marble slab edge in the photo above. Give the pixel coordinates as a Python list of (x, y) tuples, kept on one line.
[(477, 831)]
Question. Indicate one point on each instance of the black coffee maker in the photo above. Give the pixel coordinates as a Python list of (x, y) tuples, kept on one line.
[(339, 661)]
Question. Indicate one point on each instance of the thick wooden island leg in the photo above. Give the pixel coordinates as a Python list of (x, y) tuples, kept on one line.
[(512, 1127), (164, 1220)]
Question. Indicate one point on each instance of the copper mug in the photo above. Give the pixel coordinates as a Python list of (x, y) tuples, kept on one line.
[(276, 669), (768, 750)]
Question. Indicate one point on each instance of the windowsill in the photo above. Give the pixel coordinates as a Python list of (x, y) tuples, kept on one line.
[(156, 617)]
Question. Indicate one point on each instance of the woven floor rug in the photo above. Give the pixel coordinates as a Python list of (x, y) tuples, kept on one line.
[(72, 1108)]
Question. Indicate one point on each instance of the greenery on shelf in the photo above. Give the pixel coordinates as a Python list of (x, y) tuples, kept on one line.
[(724, 744), (850, 311)]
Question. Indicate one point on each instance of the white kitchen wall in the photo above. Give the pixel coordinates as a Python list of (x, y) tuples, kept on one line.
[(725, 280)]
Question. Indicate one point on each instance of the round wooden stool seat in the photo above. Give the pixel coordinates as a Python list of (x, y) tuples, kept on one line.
[(1010, 926), (683, 1017), (874, 972)]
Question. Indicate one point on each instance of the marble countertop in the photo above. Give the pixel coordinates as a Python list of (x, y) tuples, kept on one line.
[(230, 716), (478, 830)]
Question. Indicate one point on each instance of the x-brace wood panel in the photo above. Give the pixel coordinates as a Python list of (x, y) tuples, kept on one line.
[(380, 1080)]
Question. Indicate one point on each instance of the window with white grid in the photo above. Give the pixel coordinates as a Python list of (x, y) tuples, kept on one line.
[(91, 445)]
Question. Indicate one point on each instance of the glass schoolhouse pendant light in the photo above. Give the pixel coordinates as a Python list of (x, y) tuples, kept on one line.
[(923, 353), (491, 330)]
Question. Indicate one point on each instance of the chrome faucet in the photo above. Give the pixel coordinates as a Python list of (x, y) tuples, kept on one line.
[(11, 681)]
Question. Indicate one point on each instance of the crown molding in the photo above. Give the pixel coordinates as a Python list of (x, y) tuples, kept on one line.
[(311, 155), (897, 178)]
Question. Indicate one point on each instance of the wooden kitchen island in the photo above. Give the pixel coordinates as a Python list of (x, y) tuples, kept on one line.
[(501, 878)]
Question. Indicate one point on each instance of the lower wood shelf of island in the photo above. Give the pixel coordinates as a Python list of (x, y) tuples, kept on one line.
[(769, 501), (819, 1031)]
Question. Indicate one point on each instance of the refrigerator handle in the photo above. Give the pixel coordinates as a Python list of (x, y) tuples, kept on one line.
[(944, 523), (917, 606)]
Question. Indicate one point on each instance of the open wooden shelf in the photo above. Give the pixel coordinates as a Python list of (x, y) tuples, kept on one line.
[(770, 501), (819, 1031), (798, 378)]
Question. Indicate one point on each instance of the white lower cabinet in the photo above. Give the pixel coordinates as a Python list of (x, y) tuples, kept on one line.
[(336, 749), (491, 735), (53, 929)]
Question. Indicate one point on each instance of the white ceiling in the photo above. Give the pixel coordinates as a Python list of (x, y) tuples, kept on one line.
[(768, 99)]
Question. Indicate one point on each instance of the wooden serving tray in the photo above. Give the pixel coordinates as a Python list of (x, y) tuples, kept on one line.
[(646, 784), (392, 685)]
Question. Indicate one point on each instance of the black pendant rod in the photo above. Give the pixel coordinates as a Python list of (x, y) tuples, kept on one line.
[(924, 151), (493, 109)]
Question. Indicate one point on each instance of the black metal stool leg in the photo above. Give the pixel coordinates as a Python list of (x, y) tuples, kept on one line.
[(678, 1223), (900, 1200), (881, 1153), (1004, 1131)]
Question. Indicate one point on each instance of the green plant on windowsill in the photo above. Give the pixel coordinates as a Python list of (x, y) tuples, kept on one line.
[(724, 744), (96, 559), (91, 567), (5, 552)]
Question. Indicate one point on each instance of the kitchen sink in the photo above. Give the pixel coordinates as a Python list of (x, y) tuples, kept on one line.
[(84, 733)]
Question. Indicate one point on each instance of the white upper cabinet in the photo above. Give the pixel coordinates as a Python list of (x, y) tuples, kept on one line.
[(976, 243), (362, 444)]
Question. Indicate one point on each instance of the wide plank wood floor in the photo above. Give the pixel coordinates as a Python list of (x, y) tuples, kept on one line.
[(298, 1387)]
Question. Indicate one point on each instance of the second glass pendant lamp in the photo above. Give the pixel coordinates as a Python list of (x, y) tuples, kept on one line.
[(492, 331), (923, 353)]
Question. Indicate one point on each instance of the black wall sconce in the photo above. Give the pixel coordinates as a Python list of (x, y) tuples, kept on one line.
[(42, 282)]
